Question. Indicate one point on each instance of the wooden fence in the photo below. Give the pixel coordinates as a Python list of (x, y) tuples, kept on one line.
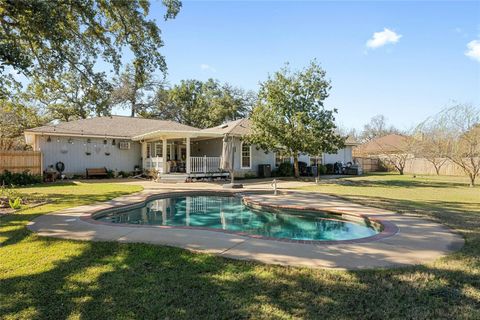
[(20, 161), (368, 164), (412, 166)]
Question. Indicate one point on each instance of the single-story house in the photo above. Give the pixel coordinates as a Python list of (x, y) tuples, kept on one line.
[(130, 144)]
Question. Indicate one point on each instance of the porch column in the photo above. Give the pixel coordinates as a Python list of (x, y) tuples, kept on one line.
[(144, 155), (188, 155), (164, 155)]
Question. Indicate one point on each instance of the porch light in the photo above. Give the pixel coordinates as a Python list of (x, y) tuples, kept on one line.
[(49, 139)]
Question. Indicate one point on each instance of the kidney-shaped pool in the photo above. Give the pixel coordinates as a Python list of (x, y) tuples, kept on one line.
[(230, 213)]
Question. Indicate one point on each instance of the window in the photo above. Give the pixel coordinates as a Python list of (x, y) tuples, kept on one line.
[(148, 150), (158, 149), (246, 156)]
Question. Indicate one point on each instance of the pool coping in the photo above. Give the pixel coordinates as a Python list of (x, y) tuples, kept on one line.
[(417, 240), (388, 228)]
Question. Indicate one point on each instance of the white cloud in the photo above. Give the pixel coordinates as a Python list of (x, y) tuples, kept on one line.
[(207, 67), (473, 50), (382, 38)]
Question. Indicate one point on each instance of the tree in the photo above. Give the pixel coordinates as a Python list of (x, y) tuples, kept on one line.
[(377, 127), (202, 104), (290, 114), (431, 143), (398, 154), (130, 93), (461, 124), (71, 95), (15, 117), (49, 37)]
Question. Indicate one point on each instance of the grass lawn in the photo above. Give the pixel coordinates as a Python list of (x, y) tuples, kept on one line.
[(57, 279)]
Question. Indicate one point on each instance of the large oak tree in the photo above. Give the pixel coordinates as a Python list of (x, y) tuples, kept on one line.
[(46, 38)]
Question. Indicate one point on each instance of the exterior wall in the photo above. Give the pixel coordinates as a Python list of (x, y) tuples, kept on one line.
[(73, 155), (258, 156), (343, 155), (209, 148)]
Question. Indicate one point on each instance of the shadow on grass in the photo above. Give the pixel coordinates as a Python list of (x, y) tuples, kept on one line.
[(104, 280), (139, 281), (397, 183)]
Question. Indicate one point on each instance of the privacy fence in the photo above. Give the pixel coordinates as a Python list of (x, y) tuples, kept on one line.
[(412, 166), (20, 161)]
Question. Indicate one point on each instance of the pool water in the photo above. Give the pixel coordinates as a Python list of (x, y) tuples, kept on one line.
[(230, 213)]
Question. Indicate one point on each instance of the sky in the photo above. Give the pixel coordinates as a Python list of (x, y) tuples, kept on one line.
[(406, 60)]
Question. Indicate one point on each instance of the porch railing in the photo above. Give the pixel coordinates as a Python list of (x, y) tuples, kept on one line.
[(205, 164), (197, 164), (154, 163)]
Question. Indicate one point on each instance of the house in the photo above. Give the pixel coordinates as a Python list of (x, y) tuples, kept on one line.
[(126, 144), (388, 144)]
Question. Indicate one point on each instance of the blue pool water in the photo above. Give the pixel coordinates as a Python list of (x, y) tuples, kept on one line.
[(229, 213)]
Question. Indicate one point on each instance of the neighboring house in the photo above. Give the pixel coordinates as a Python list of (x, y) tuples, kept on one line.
[(389, 144), (124, 144)]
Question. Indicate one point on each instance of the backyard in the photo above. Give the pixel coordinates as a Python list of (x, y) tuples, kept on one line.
[(50, 278)]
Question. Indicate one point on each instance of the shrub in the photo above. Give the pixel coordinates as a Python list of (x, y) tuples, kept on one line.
[(329, 168), (19, 179), (322, 169), (284, 170), (15, 204)]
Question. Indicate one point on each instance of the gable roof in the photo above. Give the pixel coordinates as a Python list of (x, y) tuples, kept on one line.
[(391, 143), (113, 126), (238, 127)]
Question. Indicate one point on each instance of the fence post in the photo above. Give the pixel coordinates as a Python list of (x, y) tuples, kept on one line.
[(204, 164)]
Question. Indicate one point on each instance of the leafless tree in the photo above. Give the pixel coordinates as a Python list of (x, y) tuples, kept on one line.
[(461, 127)]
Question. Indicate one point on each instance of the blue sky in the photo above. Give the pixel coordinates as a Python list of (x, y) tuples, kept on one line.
[(416, 67)]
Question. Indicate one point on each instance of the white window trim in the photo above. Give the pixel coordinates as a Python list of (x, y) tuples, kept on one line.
[(241, 157)]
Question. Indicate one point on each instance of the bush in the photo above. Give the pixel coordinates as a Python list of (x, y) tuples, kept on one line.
[(322, 169), (19, 179), (284, 170), (329, 168)]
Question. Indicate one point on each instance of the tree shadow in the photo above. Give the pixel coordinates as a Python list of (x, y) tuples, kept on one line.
[(112, 280)]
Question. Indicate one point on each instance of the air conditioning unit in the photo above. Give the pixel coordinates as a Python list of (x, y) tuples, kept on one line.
[(124, 145)]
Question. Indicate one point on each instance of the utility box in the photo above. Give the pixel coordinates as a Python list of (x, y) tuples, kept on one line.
[(264, 171)]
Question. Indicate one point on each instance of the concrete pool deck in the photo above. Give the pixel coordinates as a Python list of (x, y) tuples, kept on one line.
[(416, 240)]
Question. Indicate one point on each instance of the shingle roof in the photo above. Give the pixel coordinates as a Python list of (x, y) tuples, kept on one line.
[(114, 126), (238, 127), (391, 143)]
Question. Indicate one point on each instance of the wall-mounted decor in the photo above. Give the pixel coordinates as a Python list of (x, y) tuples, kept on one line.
[(124, 145), (113, 142), (49, 139)]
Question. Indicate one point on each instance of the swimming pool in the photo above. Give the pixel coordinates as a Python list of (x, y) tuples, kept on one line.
[(230, 214)]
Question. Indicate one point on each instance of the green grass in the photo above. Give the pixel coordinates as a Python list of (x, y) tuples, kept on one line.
[(49, 278)]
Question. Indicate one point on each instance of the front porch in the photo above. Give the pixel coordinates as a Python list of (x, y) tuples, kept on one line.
[(187, 157)]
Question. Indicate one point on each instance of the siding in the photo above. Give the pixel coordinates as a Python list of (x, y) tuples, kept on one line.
[(213, 148), (75, 159), (343, 155)]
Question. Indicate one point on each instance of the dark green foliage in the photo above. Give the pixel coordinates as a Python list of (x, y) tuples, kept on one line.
[(201, 104), (45, 38), (322, 169), (8, 178), (285, 169), (329, 168), (290, 114)]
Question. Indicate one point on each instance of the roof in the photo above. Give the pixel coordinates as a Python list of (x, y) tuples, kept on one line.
[(391, 143), (238, 127), (113, 126)]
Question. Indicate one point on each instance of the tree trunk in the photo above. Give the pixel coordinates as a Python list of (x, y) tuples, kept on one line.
[(472, 180), (296, 171), (133, 110), (437, 169), (401, 171)]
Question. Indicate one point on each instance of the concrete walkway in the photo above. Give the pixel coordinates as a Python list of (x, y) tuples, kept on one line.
[(417, 240)]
